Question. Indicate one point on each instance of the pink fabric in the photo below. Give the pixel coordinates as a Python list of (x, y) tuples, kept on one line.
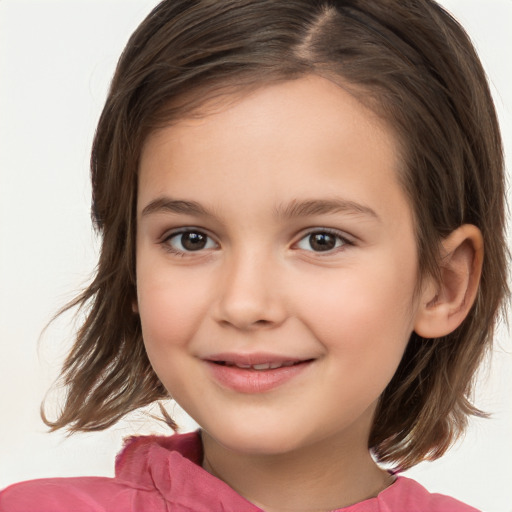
[(163, 474)]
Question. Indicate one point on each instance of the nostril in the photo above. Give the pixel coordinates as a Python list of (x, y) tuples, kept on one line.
[(249, 312)]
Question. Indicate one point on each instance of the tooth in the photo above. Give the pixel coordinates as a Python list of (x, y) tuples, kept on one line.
[(288, 363), (244, 366), (275, 365), (263, 366)]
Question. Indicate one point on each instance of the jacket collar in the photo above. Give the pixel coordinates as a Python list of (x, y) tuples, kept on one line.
[(172, 467)]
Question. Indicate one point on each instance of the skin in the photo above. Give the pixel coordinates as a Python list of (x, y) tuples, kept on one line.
[(259, 284)]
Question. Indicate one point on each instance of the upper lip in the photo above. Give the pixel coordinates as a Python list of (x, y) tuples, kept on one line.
[(253, 358)]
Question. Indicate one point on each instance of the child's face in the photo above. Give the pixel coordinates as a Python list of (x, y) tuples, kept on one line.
[(275, 230)]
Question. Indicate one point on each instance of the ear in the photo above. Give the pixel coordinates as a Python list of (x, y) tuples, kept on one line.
[(445, 304)]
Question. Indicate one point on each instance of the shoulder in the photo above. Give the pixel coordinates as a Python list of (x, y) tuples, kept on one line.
[(90, 494), (81, 494), (144, 470), (407, 495)]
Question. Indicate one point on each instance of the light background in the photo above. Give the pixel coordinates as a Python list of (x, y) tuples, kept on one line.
[(56, 60)]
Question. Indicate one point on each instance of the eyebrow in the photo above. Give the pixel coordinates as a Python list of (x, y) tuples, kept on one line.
[(294, 209), (313, 207), (166, 204)]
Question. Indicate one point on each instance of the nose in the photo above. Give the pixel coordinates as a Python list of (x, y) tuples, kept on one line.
[(250, 296)]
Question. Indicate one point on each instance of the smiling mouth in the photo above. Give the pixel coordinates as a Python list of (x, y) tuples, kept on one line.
[(261, 366), (253, 374)]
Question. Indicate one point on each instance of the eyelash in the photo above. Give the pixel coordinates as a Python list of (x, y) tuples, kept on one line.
[(166, 242), (340, 238), (341, 241)]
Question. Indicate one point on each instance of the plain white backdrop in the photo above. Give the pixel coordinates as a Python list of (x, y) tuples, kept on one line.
[(56, 61)]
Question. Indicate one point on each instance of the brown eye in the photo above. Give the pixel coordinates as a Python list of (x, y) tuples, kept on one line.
[(193, 241), (189, 241), (321, 241)]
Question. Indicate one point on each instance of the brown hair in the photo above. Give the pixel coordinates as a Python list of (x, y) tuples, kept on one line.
[(411, 62)]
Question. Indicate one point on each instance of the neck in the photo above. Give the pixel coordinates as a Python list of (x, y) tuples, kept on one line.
[(327, 475)]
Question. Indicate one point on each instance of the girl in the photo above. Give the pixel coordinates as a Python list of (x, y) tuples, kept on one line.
[(294, 200)]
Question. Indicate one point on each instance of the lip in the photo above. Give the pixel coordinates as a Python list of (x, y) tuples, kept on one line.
[(252, 358), (248, 380)]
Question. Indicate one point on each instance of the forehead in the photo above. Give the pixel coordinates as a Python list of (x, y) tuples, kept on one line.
[(309, 133)]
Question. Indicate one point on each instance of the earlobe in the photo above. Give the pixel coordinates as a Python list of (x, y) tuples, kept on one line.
[(445, 304)]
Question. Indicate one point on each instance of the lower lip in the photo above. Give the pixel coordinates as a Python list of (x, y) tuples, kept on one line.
[(255, 381)]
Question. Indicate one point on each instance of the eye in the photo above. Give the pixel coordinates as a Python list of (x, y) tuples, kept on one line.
[(189, 241), (322, 241)]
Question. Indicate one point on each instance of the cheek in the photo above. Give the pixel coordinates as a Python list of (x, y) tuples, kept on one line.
[(170, 310), (170, 307), (366, 311), (365, 330)]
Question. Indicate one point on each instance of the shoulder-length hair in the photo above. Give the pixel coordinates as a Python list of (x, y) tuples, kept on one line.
[(410, 62)]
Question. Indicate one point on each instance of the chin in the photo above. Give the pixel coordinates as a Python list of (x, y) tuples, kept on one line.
[(263, 440)]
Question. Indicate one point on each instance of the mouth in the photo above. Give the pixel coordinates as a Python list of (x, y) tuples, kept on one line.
[(260, 366), (255, 373)]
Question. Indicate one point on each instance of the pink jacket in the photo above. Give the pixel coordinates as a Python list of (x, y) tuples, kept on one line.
[(163, 474)]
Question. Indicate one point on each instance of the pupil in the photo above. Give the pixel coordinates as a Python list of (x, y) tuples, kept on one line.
[(322, 241), (193, 241)]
